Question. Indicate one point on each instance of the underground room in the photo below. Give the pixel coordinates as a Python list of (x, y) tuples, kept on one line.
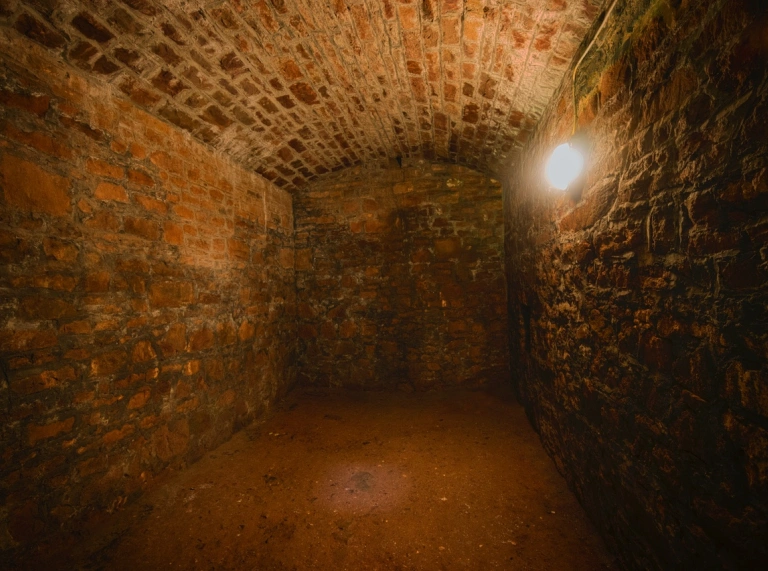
[(384, 284)]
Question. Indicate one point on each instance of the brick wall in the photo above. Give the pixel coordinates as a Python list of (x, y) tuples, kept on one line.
[(400, 278), (147, 295), (296, 89), (638, 299)]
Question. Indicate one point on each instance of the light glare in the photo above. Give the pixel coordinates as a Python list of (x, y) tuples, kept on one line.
[(564, 166)]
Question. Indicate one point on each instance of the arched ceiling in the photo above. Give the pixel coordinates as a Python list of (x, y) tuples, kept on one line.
[(294, 89)]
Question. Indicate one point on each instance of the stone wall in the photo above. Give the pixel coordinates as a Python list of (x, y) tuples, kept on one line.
[(147, 292), (638, 299), (400, 279)]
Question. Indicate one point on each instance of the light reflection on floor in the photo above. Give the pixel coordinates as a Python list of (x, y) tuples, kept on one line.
[(363, 488)]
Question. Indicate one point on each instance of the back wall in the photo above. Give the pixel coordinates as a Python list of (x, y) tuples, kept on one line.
[(400, 278)]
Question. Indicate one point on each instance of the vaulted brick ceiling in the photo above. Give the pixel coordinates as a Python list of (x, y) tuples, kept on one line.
[(294, 89)]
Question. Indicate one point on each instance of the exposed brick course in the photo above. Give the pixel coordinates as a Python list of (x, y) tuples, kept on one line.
[(400, 279), (157, 293), (360, 80), (130, 258), (638, 299)]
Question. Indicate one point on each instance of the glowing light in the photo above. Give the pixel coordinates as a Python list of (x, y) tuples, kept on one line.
[(564, 166)]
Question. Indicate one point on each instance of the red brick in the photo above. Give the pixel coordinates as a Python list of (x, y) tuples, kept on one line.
[(139, 399), (307, 331), (375, 226), (138, 177), (201, 340), (36, 104), (142, 228), (98, 281), (75, 328), (167, 82), (171, 294), (39, 432), (286, 258), (56, 282), (409, 18), (118, 146), (104, 220), (103, 168), (167, 162), (91, 28), (184, 212), (173, 234), (60, 250), (42, 381), (109, 191), (290, 71), (191, 367), (347, 329), (116, 435), (143, 352), (304, 93), (27, 340), (303, 259), (238, 250), (40, 141), (227, 398), (138, 151), (108, 363), (28, 187), (44, 308), (175, 339), (151, 204), (447, 248)]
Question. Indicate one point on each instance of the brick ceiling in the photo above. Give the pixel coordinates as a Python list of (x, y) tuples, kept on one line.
[(294, 89)]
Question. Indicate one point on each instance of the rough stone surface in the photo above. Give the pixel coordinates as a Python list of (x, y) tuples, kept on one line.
[(131, 256), (351, 81), (400, 279), (638, 299)]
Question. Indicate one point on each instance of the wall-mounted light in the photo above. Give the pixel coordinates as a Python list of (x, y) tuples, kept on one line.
[(566, 162), (564, 166)]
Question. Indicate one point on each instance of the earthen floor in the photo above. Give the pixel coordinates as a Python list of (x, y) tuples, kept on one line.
[(451, 480)]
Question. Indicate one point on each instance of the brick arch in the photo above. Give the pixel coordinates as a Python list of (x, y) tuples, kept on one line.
[(295, 89)]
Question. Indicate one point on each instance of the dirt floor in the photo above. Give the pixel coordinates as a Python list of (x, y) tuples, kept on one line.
[(453, 480)]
